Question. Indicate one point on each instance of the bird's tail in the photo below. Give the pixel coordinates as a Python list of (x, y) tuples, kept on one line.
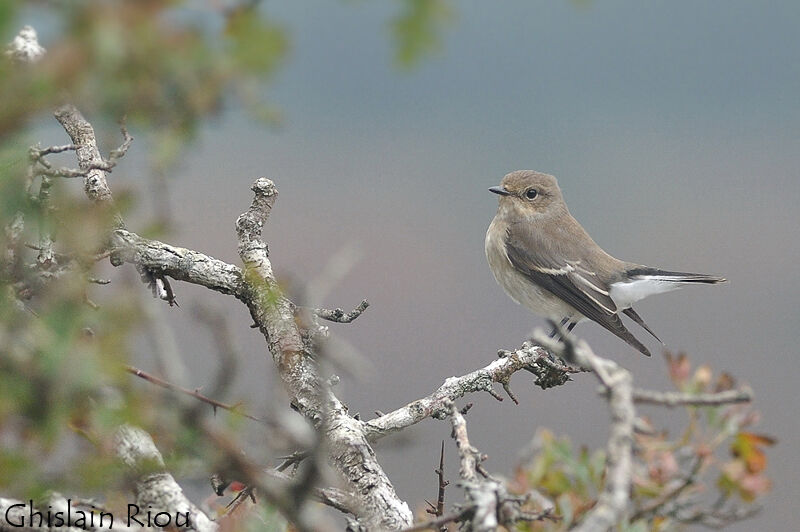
[(656, 274)]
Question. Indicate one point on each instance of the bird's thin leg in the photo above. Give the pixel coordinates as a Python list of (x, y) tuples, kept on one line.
[(566, 324), (564, 321)]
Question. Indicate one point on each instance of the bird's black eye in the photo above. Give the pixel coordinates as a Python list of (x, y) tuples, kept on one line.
[(531, 193)]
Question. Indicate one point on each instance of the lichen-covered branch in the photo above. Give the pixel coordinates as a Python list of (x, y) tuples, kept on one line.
[(89, 159), (176, 262), (338, 315), (348, 449), (530, 357)]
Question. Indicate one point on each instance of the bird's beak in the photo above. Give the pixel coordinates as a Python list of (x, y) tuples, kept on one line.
[(500, 190)]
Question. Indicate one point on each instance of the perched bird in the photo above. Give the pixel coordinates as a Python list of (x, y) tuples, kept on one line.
[(547, 262)]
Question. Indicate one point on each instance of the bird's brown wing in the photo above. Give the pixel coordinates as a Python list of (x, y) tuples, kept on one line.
[(567, 281)]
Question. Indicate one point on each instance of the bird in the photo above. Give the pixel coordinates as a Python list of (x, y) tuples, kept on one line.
[(546, 261)]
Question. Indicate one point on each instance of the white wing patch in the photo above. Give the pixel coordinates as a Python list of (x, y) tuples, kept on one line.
[(626, 293)]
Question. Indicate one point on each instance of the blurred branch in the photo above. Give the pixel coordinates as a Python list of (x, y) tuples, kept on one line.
[(672, 399), (191, 393), (156, 489), (719, 518), (226, 350), (89, 159), (25, 47), (283, 492), (671, 494), (333, 497)]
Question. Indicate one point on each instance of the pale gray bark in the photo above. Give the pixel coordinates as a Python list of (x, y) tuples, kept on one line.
[(437, 404), (378, 506)]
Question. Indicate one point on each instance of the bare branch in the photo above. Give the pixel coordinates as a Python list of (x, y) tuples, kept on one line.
[(438, 510), (719, 518), (670, 494), (155, 488), (46, 256), (220, 331), (89, 159), (120, 152), (191, 393), (436, 404), (489, 505), (469, 456), (347, 448), (439, 522), (179, 263), (277, 488), (340, 316), (672, 399), (333, 497), (39, 153)]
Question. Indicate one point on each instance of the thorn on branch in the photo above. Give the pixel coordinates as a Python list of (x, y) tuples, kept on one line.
[(438, 523), (217, 326), (495, 394), (293, 459), (508, 391), (247, 493)]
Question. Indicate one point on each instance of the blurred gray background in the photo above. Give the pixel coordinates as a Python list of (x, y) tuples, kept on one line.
[(674, 131)]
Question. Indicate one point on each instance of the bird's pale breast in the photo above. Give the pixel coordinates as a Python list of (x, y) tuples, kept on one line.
[(518, 286)]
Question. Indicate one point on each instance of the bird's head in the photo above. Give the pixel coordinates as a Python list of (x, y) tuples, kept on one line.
[(528, 193)]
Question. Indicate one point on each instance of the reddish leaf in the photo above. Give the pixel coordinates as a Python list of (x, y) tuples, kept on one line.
[(679, 367), (747, 447)]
